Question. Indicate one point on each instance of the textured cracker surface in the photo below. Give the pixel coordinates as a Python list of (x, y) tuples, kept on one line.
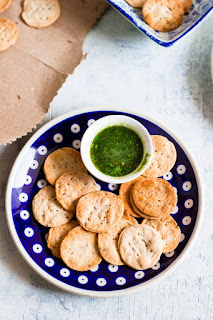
[(124, 193), (61, 161), (8, 34), (98, 211), (47, 210), (108, 242), (71, 186), (154, 197), (57, 234), (169, 230), (163, 15), (140, 246), (163, 158), (40, 13), (79, 250)]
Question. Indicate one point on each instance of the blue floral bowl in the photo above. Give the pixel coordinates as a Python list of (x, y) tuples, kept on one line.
[(198, 11), (27, 178)]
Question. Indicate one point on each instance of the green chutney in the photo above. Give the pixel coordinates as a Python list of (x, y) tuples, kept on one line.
[(116, 151)]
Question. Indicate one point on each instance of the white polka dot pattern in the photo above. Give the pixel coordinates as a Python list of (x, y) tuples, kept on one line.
[(82, 279), (120, 281), (24, 214), (42, 150), (29, 232), (49, 262), (42, 183), (139, 274), (181, 169), (58, 138), (23, 197), (37, 248), (64, 272), (188, 203), (112, 268), (112, 187), (76, 144), (186, 220), (168, 176), (75, 128), (101, 282)]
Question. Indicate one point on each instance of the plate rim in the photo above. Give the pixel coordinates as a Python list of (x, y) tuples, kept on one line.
[(93, 293)]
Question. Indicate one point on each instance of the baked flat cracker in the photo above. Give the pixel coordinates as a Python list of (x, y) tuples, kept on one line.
[(140, 246), (79, 249), (47, 210), (57, 234), (169, 230), (71, 186), (99, 211), (40, 13), (60, 161), (154, 197), (163, 158), (8, 34), (163, 15)]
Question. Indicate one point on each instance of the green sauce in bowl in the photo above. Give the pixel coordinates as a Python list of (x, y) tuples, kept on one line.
[(117, 151)]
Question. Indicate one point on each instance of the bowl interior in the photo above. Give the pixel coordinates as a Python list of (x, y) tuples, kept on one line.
[(105, 122), (197, 12), (27, 178)]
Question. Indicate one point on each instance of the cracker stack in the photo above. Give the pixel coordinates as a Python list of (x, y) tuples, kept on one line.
[(105, 226)]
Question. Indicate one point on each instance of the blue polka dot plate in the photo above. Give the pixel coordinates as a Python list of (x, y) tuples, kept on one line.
[(27, 178)]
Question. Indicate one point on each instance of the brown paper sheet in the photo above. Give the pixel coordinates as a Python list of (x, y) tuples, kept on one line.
[(32, 72)]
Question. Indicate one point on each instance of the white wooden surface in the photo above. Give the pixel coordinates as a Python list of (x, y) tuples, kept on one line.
[(173, 85)]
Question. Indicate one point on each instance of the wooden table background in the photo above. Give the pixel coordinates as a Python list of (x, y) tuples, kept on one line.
[(173, 85)]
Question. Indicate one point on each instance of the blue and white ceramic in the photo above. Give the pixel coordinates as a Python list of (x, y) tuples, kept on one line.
[(198, 11), (27, 178)]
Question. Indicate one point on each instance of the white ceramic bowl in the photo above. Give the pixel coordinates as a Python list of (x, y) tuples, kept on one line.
[(105, 122)]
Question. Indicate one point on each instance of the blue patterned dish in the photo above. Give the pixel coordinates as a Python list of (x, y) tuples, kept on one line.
[(198, 11), (27, 178)]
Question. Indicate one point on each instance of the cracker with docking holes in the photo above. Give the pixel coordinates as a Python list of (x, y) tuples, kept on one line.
[(163, 15), (139, 212), (108, 242), (40, 13), (8, 34), (57, 234), (163, 158), (60, 161), (140, 246), (4, 4), (71, 186), (124, 193), (47, 210), (154, 197), (79, 249), (169, 230), (99, 211)]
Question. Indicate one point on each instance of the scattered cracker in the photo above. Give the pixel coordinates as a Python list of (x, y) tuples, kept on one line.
[(140, 246), (186, 5), (169, 230), (8, 34), (136, 3), (40, 13), (163, 159), (79, 250), (46, 209), (124, 193), (57, 234), (99, 211), (108, 242), (71, 186), (154, 197), (4, 4), (163, 15), (60, 161)]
